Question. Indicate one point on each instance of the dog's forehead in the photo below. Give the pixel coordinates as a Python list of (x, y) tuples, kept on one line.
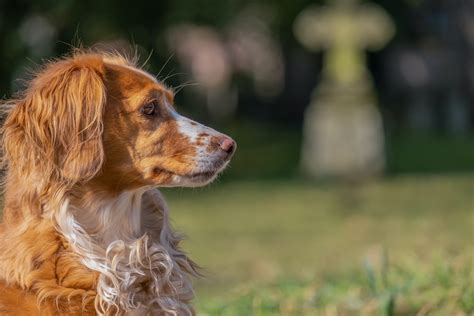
[(126, 81)]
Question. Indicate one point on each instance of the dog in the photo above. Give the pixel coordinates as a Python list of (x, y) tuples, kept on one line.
[(85, 230)]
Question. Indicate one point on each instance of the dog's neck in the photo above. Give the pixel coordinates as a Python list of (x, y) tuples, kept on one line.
[(109, 217), (127, 239)]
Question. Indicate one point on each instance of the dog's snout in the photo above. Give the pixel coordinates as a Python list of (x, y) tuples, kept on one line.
[(227, 145)]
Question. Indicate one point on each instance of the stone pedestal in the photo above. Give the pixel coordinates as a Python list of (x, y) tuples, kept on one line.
[(343, 134)]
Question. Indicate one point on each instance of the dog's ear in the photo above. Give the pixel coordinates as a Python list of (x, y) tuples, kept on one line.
[(56, 129)]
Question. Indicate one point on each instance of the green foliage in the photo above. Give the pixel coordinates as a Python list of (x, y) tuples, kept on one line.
[(433, 153), (268, 151), (273, 151)]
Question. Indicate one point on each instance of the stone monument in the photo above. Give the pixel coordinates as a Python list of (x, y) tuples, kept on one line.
[(343, 131)]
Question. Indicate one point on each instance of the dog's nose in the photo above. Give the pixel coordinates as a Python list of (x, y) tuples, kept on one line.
[(227, 145)]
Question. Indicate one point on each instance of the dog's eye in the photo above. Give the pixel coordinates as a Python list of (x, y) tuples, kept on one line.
[(149, 109)]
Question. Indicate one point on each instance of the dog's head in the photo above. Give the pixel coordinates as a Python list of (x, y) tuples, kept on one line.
[(97, 118)]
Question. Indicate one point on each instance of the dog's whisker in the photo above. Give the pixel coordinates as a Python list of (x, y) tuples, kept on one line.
[(169, 76), (184, 85), (147, 59), (164, 65)]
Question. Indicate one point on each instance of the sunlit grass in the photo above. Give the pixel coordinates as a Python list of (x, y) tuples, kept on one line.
[(252, 234), (444, 287)]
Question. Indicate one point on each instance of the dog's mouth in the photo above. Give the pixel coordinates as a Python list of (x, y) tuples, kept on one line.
[(194, 178), (202, 175)]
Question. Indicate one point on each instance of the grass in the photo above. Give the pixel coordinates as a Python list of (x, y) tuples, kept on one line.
[(407, 288), (394, 247)]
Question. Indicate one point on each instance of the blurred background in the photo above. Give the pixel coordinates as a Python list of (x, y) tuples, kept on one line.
[(352, 189)]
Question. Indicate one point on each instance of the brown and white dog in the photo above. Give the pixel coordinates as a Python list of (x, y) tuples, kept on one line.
[(85, 231)]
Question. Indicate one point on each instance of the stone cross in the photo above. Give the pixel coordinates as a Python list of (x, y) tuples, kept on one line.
[(344, 30), (343, 128)]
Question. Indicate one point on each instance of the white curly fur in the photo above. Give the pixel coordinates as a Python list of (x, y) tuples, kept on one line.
[(130, 243)]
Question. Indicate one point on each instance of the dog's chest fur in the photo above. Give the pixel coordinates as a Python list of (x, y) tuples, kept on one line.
[(129, 243), (79, 267)]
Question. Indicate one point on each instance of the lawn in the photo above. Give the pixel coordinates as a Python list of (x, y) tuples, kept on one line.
[(397, 246)]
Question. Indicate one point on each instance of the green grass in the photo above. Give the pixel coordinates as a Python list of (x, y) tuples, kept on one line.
[(396, 246), (402, 289), (387, 289)]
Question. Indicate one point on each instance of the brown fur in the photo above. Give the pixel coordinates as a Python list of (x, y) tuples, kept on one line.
[(76, 134)]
